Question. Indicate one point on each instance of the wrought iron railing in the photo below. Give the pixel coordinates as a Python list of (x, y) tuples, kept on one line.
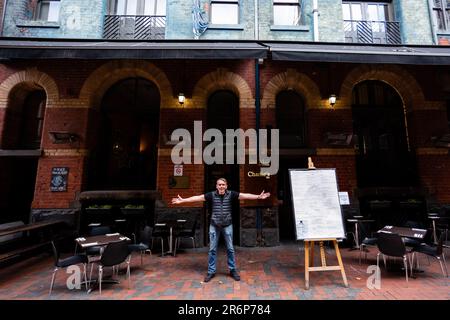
[(134, 27), (385, 32)]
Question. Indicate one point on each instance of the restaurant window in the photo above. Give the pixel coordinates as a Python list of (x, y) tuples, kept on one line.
[(137, 7), (441, 12), (224, 12), (286, 12), (48, 10)]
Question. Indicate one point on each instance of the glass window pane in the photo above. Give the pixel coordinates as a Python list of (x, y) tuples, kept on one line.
[(131, 7), (285, 15), (224, 13), (149, 7), (356, 12), (53, 12), (372, 12), (285, 1), (120, 9), (346, 11), (43, 11)]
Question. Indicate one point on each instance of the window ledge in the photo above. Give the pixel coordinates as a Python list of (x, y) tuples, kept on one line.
[(289, 28), (37, 24), (443, 33), (226, 26)]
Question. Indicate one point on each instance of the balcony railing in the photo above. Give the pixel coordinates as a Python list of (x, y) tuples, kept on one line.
[(382, 32), (134, 27)]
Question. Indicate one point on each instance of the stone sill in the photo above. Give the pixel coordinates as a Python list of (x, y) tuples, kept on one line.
[(226, 27), (289, 28), (37, 24)]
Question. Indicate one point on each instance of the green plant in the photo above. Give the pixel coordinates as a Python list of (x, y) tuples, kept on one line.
[(97, 206), (134, 206)]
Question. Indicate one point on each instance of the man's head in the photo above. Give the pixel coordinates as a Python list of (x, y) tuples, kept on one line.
[(221, 185)]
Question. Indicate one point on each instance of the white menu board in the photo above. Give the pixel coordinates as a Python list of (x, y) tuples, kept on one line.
[(315, 198)]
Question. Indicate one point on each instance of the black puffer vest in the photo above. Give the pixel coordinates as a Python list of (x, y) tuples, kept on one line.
[(221, 209)]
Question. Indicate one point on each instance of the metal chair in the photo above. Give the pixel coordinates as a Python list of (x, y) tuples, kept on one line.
[(186, 233), (145, 238), (113, 255), (391, 244), (66, 262), (433, 251)]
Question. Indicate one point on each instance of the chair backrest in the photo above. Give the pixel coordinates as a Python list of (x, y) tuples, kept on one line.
[(98, 231), (391, 244), (146, 235), (114, 253), (55, 252)]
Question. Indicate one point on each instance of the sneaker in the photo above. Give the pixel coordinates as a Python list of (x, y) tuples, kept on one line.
[(209, 276), (235, 275)]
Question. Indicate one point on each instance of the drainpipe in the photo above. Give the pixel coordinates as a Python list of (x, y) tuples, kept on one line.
[(432, 25), (256, 21), (3, 17), (316, 20), (257, 125)]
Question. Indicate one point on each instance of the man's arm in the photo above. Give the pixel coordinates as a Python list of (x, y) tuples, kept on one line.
[(179, 199), (250, 196)]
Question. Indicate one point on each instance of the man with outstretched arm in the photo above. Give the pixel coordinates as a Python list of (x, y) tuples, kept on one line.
[(221, 202)]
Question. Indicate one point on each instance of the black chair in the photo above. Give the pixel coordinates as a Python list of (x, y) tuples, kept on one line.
[(66, 262), (187, 232), (113, 255), (391, 244), (143, 246), (433, 251), (367, 242), (97, 231)]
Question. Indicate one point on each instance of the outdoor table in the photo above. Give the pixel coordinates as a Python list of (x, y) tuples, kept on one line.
[(413, 233), (356, 220), (171, 224)]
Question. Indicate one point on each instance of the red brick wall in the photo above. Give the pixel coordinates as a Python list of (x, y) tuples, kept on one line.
[(320, 121), (425, 124), (43, 197), (435, 175)]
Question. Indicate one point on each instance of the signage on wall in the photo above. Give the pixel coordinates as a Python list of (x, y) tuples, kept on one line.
[(58, 182), (178, 170)]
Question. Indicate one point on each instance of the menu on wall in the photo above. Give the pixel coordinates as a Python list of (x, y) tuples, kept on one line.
[(315, 197)]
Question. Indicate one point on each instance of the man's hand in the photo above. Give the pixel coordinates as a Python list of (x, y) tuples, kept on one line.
[(264, 195), (177, 200)]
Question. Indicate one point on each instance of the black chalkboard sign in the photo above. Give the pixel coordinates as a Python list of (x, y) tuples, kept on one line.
[(59, 179)]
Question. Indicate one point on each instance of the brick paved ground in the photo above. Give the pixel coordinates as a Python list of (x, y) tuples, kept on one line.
[(267, 273)]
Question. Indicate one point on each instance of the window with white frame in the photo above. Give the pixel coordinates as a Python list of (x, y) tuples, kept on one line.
[(286, 12), (224, 12), (137, 7), (441, 11), (48, 10)]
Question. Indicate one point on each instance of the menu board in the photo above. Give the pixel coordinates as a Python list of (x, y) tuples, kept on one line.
[(315, 197)]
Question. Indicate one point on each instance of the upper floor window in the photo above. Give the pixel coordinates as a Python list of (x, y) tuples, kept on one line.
[(137, 7), (441, 10), (224, 12), (366, 11), (286, 12), (48, 10)]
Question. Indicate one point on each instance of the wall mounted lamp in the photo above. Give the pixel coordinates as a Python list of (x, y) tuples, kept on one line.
[(181, 98), (332, 100)]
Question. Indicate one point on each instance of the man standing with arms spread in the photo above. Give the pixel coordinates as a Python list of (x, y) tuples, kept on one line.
[(221, 203)]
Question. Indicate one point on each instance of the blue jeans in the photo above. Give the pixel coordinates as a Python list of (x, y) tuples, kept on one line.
[(214, 234)]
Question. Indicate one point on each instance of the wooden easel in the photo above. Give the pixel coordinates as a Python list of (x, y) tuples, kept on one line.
[(309, 252), (309, 259)]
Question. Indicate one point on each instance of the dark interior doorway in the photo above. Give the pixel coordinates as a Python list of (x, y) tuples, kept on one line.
[(222, 114), (125, 157)]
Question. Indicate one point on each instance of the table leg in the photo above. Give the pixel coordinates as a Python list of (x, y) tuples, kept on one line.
[(434, 232), (356, 235)]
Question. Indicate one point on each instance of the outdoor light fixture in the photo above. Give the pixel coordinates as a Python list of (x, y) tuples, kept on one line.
[(332, 100), (181, 99), (63, 136)]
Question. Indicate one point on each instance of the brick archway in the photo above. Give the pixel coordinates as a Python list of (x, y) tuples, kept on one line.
[(105, 76), (30, 77), (399, 79), (292, 80), (219, 80)]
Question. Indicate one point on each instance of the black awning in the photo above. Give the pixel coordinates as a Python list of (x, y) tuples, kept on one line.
[(90, 49), (325, 52)]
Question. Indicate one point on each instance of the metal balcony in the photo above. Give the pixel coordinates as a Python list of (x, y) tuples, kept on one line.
[(378, 32), (134, 27)]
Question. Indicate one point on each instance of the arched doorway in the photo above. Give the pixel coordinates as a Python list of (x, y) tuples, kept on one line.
[(383, 157), (290, 117), (222, 114), (125, 157), (22, 131)]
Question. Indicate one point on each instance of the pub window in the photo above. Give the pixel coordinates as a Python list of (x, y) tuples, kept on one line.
[(137, 7), (286, 12), (441, 12), (48, 10), (224, 12)]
